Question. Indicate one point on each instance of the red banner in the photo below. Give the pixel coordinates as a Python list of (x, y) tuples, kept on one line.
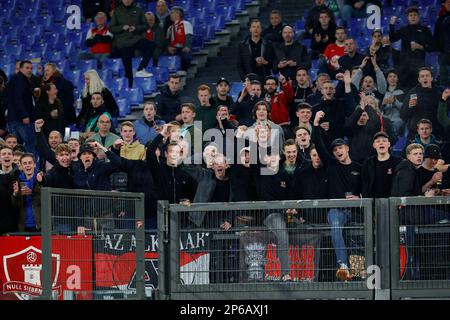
[(21, 267)]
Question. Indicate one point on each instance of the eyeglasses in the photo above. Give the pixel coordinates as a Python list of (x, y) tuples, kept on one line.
[(104, 122)]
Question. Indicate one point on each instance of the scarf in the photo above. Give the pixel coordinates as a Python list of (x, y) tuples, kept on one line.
[(29, 216)]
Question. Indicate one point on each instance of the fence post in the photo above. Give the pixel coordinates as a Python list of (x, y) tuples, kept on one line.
[(382, 236), (163, 291), (46, 238), (394, 246), (140, 248)]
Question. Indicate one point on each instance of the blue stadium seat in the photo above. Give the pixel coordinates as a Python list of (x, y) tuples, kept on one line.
[(75, 37), (106, 75), (313, 74), (64, 66), (115, 65), (85, 65), (236, 88), (218, 22), (13, 50), (124, 107), (209, 5), (199, 13), (197, 42), (238, 4), (31, 55), (228, 12), (299, 25), (73, 75), (173, 63), (8, 68), (148, 84), (119, 84), (135, 96)]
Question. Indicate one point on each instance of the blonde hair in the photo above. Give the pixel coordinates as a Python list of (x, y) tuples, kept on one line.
[(95, 83)]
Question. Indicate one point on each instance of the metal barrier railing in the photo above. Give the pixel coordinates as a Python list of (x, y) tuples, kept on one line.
[(420, 247), (102, 234), (266, 241)]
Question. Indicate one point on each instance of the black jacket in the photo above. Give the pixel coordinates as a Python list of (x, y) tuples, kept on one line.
[(59, 177), (313, 17), (97, 176), (368, 175), (319, 47), (43, 111), (341, 178), (7, 218), (310, 183), (172, 183), (336, 111), (244, 110), (20, 99), (418, 33), (347, 63), (361, 137), (273, 34), (246, 63), (65, 94), (109, 102), (296, 52), (442, 33), (168, 104), (406, 182), (427, 106)]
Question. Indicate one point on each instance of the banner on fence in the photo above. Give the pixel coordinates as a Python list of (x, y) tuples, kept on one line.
[(21, 266), (260, 261)]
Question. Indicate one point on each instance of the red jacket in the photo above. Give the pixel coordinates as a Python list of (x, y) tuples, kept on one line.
[(280, 102)]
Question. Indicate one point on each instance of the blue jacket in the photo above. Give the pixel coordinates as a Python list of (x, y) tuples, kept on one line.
[(144, 133), (97, 176), (20, 98)]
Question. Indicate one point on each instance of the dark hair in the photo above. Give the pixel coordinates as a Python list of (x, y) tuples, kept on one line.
[(424, 69), (301, 68), (23, 62), (254, 20), (304, 105), (271, 78), (289, 142), (412, 9), (301, 127), (5, 147), (10, 135), (188, 105), (394, 71), (261, 103), (27, 155), (174, 76), (275, 12), (341, 28), (424, 121)]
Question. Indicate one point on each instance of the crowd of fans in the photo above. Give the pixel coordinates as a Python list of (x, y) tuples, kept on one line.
[(284, 137)]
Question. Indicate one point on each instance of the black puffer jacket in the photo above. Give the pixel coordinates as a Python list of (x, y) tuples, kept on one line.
[(168, 104)]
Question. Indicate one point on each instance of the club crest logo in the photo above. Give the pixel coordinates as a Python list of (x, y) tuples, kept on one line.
[(23, 272)]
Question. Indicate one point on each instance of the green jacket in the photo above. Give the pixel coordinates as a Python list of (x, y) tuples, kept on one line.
[(110, 138), (132, 16), (207, 115)]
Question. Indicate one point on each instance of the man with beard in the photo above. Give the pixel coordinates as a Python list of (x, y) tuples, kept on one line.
[(290, 55), (344, 183), (222, 97), (378, 171), (104, 136), (279, 100)]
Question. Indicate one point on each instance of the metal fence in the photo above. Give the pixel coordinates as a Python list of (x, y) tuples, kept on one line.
[(267, 240), (420, 247), (101, 239)]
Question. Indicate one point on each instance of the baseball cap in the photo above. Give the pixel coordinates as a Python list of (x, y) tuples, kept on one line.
[(222, 79), (86, 148), (338, 142), (432, 151), (380, 134)]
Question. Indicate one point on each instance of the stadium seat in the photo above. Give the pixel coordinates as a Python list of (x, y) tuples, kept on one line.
[(209, 5), (228, 12), (236, 88), (119, 84), (73, 75), (106, 75), (218, 22), (115, 65), (85, 65), (124, 106), (135, 96), (197, 42), (148, 84), (173, 63)]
